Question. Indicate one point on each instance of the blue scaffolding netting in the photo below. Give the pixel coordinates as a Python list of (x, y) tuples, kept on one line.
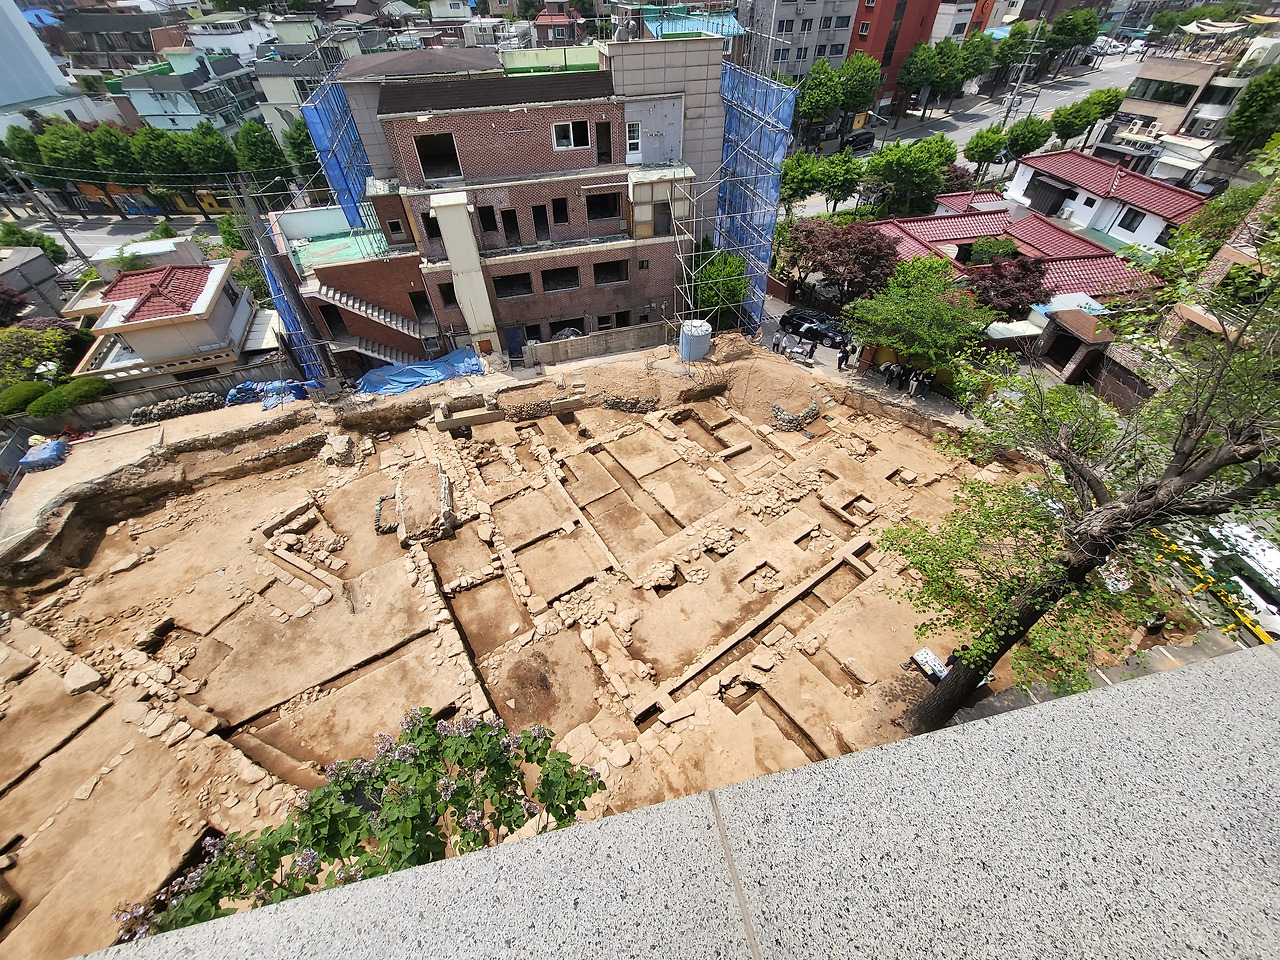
[(338, 144), (300, 344), (757, 125)]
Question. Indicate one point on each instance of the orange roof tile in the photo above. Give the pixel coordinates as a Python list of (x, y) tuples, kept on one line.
[(160, 291)]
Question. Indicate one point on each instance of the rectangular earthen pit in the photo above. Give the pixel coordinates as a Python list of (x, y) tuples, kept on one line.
[(561, 563), (490, 616), (460, 554), (626, 529)]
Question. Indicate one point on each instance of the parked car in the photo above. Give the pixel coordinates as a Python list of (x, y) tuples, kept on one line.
[(859, 140), (811, 325), (1105, 46), (1136, 47)]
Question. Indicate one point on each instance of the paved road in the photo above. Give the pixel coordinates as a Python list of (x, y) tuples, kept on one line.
[(973, 113), (96, 233)]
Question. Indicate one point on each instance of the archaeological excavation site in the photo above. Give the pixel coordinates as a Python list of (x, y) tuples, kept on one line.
[(674, 570)]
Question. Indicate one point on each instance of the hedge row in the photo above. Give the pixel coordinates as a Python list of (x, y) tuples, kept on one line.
[(39, 400)]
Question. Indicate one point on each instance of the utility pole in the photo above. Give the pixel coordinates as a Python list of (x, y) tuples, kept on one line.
[(48, 214), (1012, 99)]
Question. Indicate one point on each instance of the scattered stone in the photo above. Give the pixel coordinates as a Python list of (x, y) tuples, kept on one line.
[(252, 773), (125, 565), (86, 789), (81, 678), (159, 725), (134, 712)]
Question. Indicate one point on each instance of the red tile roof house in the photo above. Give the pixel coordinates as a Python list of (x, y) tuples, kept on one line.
[(1090, 193), (164, 324), (558, 25)]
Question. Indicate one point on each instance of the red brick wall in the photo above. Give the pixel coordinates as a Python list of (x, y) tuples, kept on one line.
[(386, 282), (359, 326), (504, 143), (391, 207)]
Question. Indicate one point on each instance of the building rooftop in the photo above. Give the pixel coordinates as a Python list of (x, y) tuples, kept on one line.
[(970, 201), (1050, 240), (405, 64), (159, 291), (405, 98), (1106, 179)]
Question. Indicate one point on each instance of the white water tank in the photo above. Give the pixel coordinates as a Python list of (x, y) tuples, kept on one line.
[(695, 339)]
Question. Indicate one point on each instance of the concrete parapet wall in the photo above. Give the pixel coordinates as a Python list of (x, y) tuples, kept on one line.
[(596, 344), (1137, 821)]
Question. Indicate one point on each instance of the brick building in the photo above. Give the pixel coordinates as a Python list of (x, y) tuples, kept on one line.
[(511, 202)]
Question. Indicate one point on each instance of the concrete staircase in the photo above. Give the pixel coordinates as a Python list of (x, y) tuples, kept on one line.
[(369, 348), (366, 309)]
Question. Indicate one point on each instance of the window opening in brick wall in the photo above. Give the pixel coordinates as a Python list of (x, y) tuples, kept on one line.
[(604, 142), (576, 323), (431, 225), (333, 320), (447, 295), (643, 318), (541, 228), (560, 210), (662, 219), (438, 156), (421, 305), (511, 228), (533, 332), (604, 206), (395, 228), (513, 285), (611, 271), (488, 219), (562, 278), (566, 136), (643, 265)]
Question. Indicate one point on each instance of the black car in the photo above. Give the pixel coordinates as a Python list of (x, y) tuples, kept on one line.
[(859, 140), (810, 325)]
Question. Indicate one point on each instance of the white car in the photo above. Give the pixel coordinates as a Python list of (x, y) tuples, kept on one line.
[(1103, 46), (1136, 47)]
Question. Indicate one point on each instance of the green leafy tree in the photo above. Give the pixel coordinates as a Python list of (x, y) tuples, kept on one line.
[(951, 78), (985, 146), (721, 284), (913, 172), (821, 94), (977, 53), (1201, 447), (922, 314), (205, 150), (1027, 135), (230, 232), (263, 163), (859, 77), (801, 179), (67, 151), (1074, 28), (250, 277), (302, 152), (21, 147), (164, 231), (1215, 222), (1013, 49), (991, 249), (113, 154), (1073, 119), (918, 71), (159, 155), (437, 789), (12, 235), (1104, 103), (1257, 113), (840, 175), (23, 353)]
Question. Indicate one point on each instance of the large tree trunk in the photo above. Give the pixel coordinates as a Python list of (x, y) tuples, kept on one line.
[(963, 679)]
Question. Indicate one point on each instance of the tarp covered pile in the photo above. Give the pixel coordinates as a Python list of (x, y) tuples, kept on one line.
[(401, 378)]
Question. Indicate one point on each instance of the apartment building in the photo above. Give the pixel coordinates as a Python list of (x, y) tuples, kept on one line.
[(520, 199), (237, 34), (115, 38), (218, 89)]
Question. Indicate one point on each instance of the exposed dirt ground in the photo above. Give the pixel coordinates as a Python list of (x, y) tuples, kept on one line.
[(688, 597)]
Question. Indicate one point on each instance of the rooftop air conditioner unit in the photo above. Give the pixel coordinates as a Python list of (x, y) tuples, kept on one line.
[(1155, 128), (1135, 126)]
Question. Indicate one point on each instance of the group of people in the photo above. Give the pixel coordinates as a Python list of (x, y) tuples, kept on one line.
[(916, 382), (785, 344)]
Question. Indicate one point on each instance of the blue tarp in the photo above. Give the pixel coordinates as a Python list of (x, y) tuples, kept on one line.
[(46, 456), (401, 378), (272, 393)]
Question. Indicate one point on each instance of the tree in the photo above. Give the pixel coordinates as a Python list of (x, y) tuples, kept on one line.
[(1104, 103), (859, 78), (25, 353), (977, 53), (921, 314), (164, 231), (205, 150), (951, 78), (807, 246), (20, 146), (914, 171), (991, 249), (437, 789), (1011, 286), (821, 94), (1256, 117), (1071, 120), (859, 261), (1014, 48), (230, 232), (251, 278), (12, 303), (302, 152), (66, 151), (1027, 135), (839, 176), (263, 163), (721, 285), (1215, 222), (1198, 449), (12, 235), (956, 179), (1074, 28), (918, 71), (113, 154), (985, 146), (801, 179), (159, 156)]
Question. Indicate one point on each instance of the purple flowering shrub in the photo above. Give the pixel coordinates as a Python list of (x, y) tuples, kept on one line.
[(437, 789)]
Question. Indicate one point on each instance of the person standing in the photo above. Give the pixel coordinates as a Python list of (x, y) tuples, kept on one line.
[(842, 357), (813, 348), (903, 373), (914, 383), (777, 341), (891, 371), (927, 383)]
